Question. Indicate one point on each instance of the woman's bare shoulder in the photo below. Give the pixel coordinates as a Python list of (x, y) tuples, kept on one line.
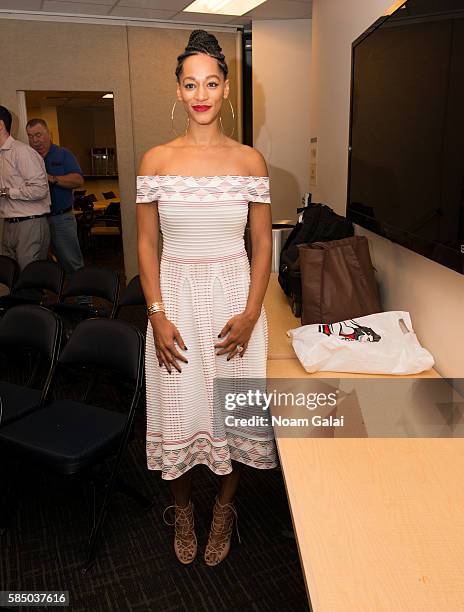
[(255, 163), (156, 157)]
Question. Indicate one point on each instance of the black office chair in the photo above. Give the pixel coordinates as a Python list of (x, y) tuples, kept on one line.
[(132, 305), (71, 437), (38, 277), (91, 281), (94, 281), (107, 226), (113, 210), (9, 271), (85, 217), (108, 195), (84, 203), (30, 338), (133, 295)]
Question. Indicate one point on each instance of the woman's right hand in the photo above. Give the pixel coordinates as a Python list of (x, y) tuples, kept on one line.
[(164, 334)]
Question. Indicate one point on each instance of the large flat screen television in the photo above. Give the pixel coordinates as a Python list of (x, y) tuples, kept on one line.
[(406, 150)]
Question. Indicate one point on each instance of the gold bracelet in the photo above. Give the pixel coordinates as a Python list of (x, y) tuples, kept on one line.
[(155, 307)]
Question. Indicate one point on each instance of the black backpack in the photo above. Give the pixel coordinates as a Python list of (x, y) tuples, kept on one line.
[(319, 223)]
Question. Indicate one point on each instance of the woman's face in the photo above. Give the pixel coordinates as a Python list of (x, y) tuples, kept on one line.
[(201, 88)]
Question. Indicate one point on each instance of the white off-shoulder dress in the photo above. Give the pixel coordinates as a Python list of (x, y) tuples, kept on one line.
[(204, 279)]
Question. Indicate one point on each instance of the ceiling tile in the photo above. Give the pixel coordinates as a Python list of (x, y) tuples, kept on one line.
[(21, 5), (79, 8), (107, 2), (244, 20), (164, 5), (281, 9), (164, 9), (141, 13), (201, 18)]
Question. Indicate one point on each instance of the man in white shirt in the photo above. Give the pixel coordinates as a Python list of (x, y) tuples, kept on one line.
[(24, 197)]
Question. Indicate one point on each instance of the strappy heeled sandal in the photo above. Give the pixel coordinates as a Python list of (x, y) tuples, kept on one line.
[(185, 540), (218, 545)]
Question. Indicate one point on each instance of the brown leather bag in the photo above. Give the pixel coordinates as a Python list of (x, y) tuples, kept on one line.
[(337, 281)]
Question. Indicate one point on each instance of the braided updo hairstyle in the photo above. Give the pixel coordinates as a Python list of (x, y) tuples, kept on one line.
[(201, 41)]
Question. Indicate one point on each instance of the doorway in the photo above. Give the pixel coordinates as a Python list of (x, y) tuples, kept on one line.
[(83, 123)]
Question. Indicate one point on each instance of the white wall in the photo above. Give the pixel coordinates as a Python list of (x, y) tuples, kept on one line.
[(281, 70), (433, 294), (335, 26)]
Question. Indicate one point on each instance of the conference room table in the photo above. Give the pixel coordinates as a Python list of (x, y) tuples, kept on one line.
[(379, 522), (102, 205), (99, 206)]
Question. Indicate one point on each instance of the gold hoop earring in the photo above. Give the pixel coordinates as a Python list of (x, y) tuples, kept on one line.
[(172, 121), (233, 119)]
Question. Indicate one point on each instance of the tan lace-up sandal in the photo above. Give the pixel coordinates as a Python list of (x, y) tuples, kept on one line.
[(220, 534), (185, 540)]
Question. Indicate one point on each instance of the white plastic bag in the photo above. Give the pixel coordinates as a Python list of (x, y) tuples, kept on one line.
[(381, 343)]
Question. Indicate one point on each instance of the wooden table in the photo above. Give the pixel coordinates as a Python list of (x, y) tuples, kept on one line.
[(379, 522), (99, 206), (279, 319)]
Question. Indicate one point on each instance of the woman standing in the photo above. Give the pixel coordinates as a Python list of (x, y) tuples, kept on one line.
[(206, 319)]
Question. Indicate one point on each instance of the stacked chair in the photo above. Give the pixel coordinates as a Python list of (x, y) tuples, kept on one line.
[(106, 226), (31, 335), (109, 195), (91, 282), (133, 296), (79, 193), (41, 282), (85, 220), (69, 437), (9, 271)]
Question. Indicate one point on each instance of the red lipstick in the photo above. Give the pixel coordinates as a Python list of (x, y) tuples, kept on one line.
[(200, 108)]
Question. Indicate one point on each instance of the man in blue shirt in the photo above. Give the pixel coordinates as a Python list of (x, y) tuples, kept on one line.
[(64, 175)]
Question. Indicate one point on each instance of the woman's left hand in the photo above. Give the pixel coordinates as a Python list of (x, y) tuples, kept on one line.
[(237, 330)]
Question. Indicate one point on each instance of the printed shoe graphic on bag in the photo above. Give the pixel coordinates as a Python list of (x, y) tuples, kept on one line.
[(350, 330), (380, 343)]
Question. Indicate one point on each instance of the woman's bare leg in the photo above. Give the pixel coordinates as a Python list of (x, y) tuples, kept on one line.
[(185, 540), (229, 484), (181, 488), (224, 514)]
